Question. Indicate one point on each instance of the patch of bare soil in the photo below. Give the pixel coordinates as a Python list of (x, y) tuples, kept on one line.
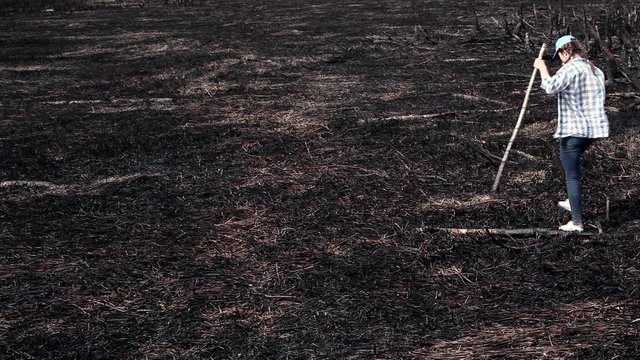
[(262, 181)]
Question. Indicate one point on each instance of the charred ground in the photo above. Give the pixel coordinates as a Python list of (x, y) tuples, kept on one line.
[(259, 181)]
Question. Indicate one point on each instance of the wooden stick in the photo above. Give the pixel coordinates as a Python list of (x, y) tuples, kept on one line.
[(529, 231), (515, 131)]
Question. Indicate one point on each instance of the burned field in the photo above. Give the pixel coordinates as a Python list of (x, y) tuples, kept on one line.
[(266, 181)]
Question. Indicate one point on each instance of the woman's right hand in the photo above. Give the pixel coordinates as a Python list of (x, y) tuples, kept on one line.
[(539, 64)]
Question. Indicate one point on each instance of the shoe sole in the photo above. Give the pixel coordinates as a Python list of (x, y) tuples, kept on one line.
[(571, 230)]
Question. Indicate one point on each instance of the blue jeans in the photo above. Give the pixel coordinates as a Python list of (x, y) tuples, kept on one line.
[(571, 149)]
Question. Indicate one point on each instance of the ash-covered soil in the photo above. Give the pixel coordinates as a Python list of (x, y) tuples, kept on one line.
[(266, 181)]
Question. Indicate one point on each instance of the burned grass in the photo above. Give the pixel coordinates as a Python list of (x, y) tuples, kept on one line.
[(256, 182)]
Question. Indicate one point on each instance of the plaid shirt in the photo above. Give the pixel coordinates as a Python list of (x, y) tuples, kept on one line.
[(581, 97)]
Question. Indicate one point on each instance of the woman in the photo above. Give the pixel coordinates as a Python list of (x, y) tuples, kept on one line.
[(581, 116)]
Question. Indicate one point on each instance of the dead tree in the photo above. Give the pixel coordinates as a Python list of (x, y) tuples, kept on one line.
[(617, 63)]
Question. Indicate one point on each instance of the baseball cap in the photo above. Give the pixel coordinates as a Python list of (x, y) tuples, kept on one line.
[(564, 40)]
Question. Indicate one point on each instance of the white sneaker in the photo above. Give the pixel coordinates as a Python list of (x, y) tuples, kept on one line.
[(570, 226), (565, 204)]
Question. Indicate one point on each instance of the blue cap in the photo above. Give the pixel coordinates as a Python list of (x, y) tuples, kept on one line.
[(562, 42)]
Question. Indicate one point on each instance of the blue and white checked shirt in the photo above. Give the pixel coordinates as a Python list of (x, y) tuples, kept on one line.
[(581, 97)]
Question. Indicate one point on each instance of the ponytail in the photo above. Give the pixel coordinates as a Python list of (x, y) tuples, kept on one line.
[(575, 47)]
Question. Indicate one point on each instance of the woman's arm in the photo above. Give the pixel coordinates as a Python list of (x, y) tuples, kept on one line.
[(552, 84), (541, 65)]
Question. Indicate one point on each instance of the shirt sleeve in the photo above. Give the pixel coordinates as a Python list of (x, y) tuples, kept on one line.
[(556, 83), (600, 76)]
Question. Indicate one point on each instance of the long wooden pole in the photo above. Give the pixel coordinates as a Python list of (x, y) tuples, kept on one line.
[(515, 131)]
